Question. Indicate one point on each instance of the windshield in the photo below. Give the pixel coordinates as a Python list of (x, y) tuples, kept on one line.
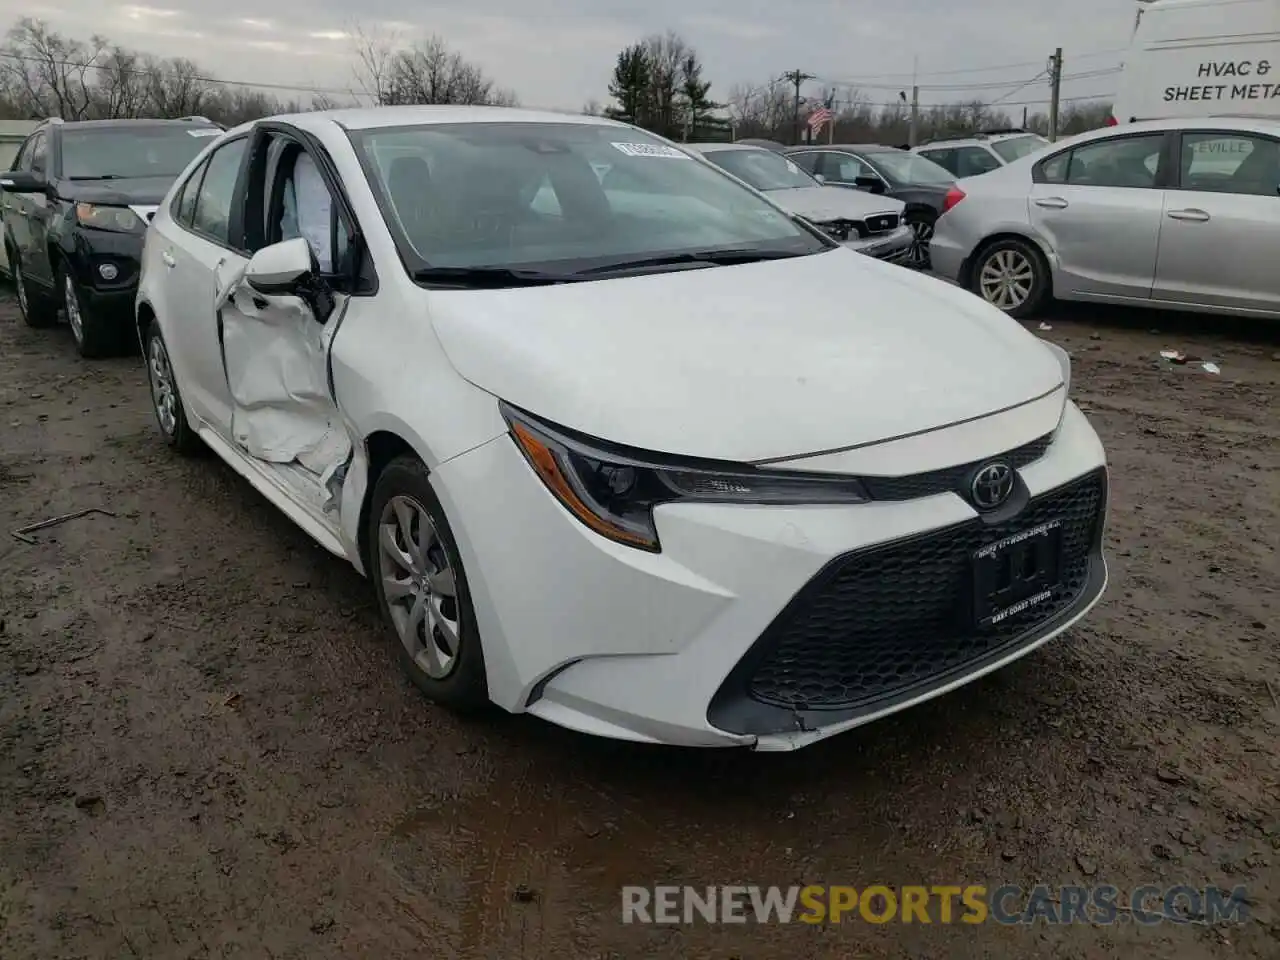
[(560, 198), (1018, 147), (160, 151), (910, 168), (763, 169)]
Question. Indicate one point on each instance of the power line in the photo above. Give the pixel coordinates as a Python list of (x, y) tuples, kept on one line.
[(985, 85), (1005, 103), (1038, 76), (988, 69), (153, 72)]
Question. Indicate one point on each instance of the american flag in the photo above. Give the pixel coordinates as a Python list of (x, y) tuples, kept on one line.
[(819, 118)]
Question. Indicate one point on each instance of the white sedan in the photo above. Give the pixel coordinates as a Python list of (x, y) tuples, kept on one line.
[(659, 472)]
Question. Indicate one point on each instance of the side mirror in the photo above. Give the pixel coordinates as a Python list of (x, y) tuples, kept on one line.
[(869, 183), (22, 181), (281, 269), (820, 178)]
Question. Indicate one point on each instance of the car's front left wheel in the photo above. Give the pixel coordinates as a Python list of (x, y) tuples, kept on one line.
[(165, 398), (422, 588), (96, 334), (921, 223)]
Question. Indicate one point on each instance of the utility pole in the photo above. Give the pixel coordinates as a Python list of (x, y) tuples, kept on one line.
[(797, 77), (914, 131), (1024, 118), (1055, 91)]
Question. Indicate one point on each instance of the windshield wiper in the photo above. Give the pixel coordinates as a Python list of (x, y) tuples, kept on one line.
[(491, 277), (101, 176), (711, 258)]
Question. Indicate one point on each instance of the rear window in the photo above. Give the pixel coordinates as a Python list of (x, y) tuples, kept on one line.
[(1016, 148), (124, 152)]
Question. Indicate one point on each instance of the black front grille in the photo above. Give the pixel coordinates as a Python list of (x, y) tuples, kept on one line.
[(950, 479), (882, 223), (882, 624)]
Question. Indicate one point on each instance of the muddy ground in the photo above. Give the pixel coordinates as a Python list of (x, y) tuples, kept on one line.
[(206, 750)]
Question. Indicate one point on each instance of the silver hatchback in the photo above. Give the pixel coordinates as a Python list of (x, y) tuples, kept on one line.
[(1179, 214)]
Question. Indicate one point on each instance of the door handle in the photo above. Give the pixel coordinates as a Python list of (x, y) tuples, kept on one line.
[(1191, 213), (169, 262), (1053, 203)]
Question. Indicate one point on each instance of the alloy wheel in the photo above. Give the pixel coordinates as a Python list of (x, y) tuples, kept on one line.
[(419, 587), (72, 305), (21, 285), (1006, 279), (918, 253), (163, 394)]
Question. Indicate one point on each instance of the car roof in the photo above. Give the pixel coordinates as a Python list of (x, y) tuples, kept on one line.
[(372, 118), (724, 147), (132, 124), (1236, 124)]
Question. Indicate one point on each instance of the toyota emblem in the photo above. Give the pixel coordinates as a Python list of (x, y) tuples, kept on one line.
[(991, 485)]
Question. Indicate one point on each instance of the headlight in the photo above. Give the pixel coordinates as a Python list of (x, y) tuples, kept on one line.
[(614, 491), (120, 219)]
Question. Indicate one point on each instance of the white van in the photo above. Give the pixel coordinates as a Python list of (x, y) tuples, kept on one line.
[(1198, 58)]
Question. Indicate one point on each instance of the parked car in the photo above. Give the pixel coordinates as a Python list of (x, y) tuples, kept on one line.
[(690, 473), (981, 153), (862, 222), (919, 183), (767, 144), (75, 209), (1180, 214)]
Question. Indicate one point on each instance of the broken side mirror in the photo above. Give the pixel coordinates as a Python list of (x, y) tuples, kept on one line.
[(22, 181), (282, 269)]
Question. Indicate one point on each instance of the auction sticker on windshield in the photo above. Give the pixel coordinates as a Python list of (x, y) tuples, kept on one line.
[(650, 150)]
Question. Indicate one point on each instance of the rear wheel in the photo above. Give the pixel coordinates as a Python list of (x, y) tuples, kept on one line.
[(38, 308), (921, 223), (1011, 274)]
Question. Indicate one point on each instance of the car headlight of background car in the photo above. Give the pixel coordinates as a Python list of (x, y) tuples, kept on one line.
[(613, 491), (119, 219)]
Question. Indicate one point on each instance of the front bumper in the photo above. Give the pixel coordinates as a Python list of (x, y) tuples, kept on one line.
[(90, 252), (892, 247), (758, 626)]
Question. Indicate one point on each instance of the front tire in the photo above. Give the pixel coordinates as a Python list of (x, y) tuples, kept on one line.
[(921, 223), (1013, 276), (165, 398), (95, 335), (422, 588), (38, 309)]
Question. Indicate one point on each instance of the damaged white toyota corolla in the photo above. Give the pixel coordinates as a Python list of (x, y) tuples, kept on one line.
[(618, 441)]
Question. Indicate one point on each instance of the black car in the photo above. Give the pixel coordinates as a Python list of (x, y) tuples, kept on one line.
[(76, 206), (919, 183)]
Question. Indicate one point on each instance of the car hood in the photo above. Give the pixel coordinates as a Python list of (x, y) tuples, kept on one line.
[(832, 203), (754, 362), (120, 193)]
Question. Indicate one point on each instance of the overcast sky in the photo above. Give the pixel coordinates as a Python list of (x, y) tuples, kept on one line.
[(559, 53)]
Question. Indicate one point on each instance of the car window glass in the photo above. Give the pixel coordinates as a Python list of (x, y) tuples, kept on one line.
[(1123, 162), (943, 158), (184, 207), (1230, 163), (1054, 170), (558, 195), (972, 161), (40, 154), (23, 160), (805, 161), (212, 215), (308, 210), (1018, 147), (846, 169)]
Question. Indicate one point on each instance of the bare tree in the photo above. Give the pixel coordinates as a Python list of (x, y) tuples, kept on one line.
[(47, 73), (176, 88), (375, 53), (121, 88), (429, 72)]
